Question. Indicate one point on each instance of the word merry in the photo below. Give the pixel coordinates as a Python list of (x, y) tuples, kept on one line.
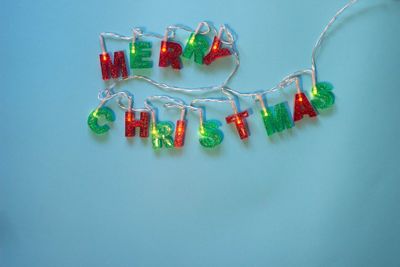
[(170, 53), (276, 119)]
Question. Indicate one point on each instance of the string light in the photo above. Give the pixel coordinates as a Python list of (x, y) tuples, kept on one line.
[(131, 124), (180, 133), (104, 56), (322, 97), (276, 118), (140, 55), (210, 135), (239, 119), (217, 52), (95, 115), (114, 69), (162, 131), (180, 129), (197, 46), (171, 55)]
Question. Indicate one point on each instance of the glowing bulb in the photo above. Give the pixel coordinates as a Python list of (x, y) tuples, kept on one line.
[(164, 49), (154, 129), (239, 119), (202, 131), (133, 49), (265, 112), (314, 90), (129, 116), (191, 41), (104, 56)]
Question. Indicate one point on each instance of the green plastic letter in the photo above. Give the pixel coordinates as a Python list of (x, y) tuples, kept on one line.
[(276, 119), (210, 135), (94, 118), (138, 52), (162, 135), (197, 45), (322, 97)]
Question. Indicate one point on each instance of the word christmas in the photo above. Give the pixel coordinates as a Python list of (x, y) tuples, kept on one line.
[(276, 119)]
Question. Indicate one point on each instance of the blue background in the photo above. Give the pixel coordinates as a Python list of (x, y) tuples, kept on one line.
[(325, 193)]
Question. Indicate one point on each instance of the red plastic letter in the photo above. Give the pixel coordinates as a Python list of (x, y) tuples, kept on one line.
[(169, 55), (240, 122), (116, 68), (302, 107), (216, 52), (131, 124), (180, 133)]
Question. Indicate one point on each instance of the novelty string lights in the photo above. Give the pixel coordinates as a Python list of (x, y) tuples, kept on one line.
[(275, 118)]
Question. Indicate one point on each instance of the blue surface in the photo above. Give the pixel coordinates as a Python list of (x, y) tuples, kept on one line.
[(323, 194)]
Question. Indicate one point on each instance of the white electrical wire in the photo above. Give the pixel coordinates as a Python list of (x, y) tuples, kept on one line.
[(322, 37), (108, 93)]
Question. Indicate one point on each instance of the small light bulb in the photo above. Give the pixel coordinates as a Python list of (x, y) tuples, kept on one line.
[(191, 41), (153, 129), (314, 90), (202, 131), (104, 56)]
